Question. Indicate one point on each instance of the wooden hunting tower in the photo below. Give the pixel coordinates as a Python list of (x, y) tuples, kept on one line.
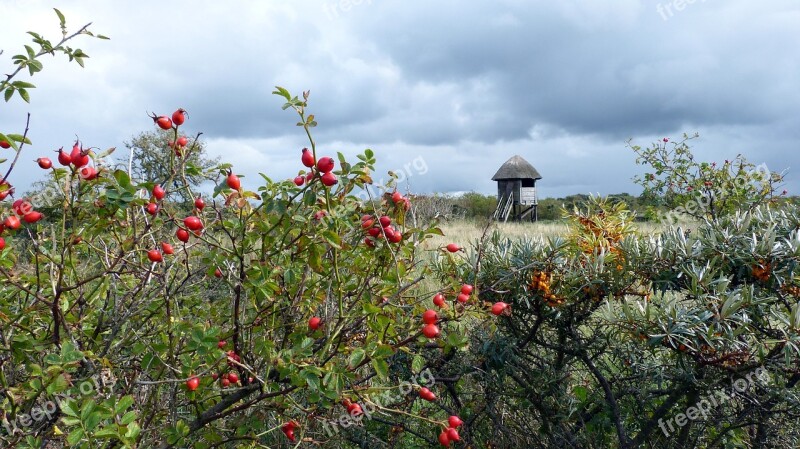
[(516, 190)]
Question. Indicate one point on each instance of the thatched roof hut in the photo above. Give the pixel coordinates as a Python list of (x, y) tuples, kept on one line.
[(516, 190), (516, 168)]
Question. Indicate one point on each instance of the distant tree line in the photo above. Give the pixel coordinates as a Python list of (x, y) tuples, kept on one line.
[(476, 206)]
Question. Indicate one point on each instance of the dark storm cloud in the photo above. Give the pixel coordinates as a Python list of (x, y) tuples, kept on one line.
[(465, 85), (713, 64)]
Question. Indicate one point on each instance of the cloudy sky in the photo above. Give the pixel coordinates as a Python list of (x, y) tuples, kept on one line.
[(459, 85)]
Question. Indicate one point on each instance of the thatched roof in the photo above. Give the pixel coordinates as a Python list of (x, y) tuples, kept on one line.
[(516, 168)]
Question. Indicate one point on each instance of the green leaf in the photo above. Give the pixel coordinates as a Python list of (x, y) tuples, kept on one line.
[(58, 385), (69, 422), (19, 138), (106, 432), (333, 239), (34, 66), (31, 53), (133, 431), (315, 257), (22, 84), (87, 409), (92, 421), (381, 368), (357, 357), (9, 93), (283, 93), (75, 436), (124, 403), (24, 94), (61, 17), (69, 408), (128, 418), (383, 351), (122, 178), (417, 363)]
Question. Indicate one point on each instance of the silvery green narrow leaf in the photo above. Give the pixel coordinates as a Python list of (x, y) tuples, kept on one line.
[(795, 321), (731, 305)]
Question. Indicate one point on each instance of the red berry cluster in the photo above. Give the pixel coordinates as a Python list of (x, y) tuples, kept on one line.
[(166, 123), (322, 168), (288, 430), (401, 201), (21, 208), (462, 297), (450, 433), (227, 379), (192, 223), (429, 328), (427, 394), (78, 160), (380, 229), (179, 145)]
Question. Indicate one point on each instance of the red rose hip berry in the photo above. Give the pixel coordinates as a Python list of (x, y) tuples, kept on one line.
[(233, 181), (307, 158), (192, 383), (325, 164)]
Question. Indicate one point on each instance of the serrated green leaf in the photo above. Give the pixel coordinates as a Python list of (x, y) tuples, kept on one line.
[(87, 409), (333, 239), (123, 404), (133, 431), (69, 421), (24, 94), (315, 257), (69, 408), (417, 363), (381, 368), (106, 432), (357, 357), (383, 351), (128, 418), (75, 436), (92, 421), (58, 385)]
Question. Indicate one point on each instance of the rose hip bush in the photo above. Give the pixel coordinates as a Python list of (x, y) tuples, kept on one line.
[(246, 318)]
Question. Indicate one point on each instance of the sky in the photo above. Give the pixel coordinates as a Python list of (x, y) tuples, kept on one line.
[(442, 91)]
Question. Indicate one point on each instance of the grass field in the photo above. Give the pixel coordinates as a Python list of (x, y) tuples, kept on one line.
[(465, 232)]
